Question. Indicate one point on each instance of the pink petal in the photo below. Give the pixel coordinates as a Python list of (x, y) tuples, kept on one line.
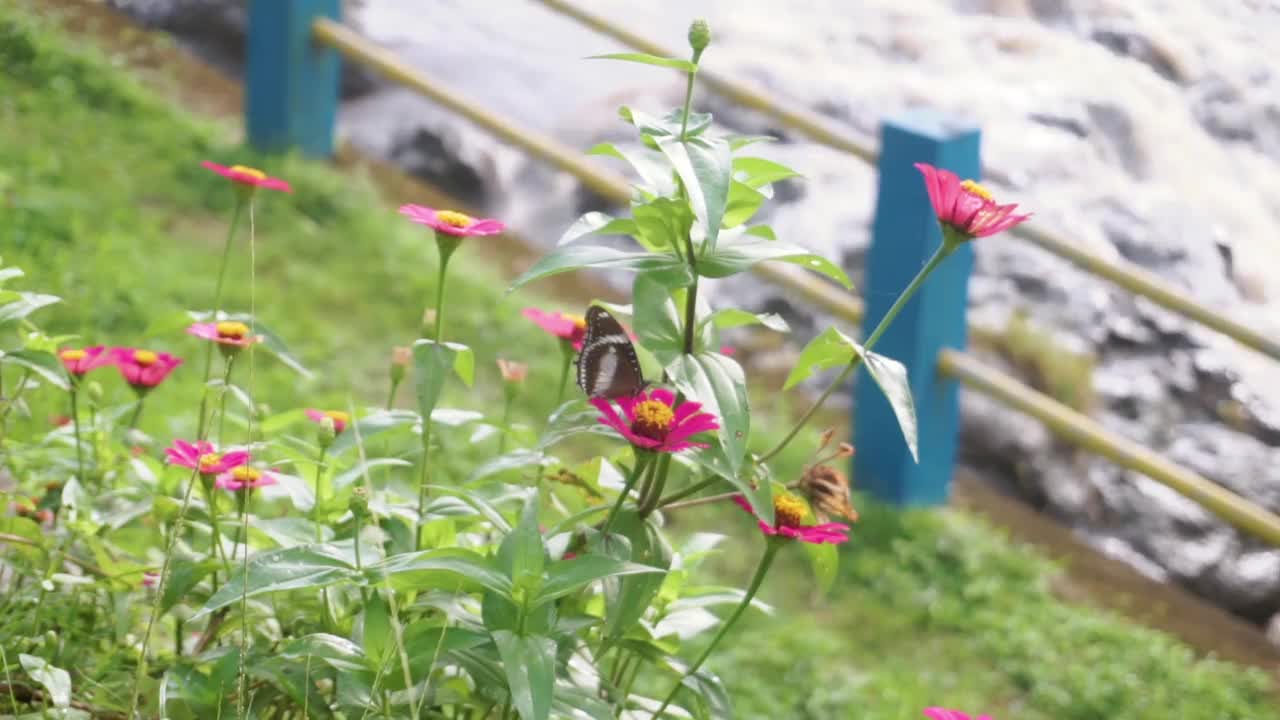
[(608, 416), (741, 501), (939, 713), (931, 186), (685, 410), (679, 444), (487, 227), (664, 396)]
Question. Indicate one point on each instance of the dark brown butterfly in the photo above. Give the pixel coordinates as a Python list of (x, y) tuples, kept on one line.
[(608, 366), (827, 491)]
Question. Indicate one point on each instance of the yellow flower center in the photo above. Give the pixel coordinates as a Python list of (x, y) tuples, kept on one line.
[(246, 474), (208, 461), (578, 321), (232, 329), (972, 187), (73, 354), (653, 419), (338, 416), (788, 511), (456, 219), (254, 173), (144, 357)]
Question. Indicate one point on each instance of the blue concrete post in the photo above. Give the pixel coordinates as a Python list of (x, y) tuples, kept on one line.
[(291, 83), (905, 235)]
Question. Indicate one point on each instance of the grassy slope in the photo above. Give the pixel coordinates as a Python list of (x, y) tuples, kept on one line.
[(107, 206)]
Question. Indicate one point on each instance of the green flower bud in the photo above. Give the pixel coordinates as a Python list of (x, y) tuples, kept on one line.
[(328, 431), (699, 36), (359, 502), (94, 389)]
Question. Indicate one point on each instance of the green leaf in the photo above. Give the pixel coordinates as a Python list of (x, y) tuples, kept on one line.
[(56, 680), (376, 631), (530, 666), (825, 561), (44, 364), (338, 653), (657, 320), (757, 172), (705, 166), (371, 425), (711, 694), (733, 317), (718, 383), (514, 460), (481, 505), (567, 576), (357, 471), (447, 568), (295, 568), (744, 202), (662, 224), (744, 251), (576, 257), (598, 223), (668, 125), (628, 597), (647, 59), (432, 363), (464, 364), (757, 490), (650, 165), (522, 554), (25, 304), (271, 342), (183, 576), (741, 141), (833, 348)]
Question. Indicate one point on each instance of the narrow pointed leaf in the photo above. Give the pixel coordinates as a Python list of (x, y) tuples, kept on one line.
[(446, 568), (745, 250), (597, 223), (567, 576), (647, 59), (577, 257), (529, 663), (705, 165), (717, 381), (304, 566)]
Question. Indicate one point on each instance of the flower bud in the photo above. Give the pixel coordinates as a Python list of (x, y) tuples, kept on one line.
[(400, 359), (359, 502), (513, 373), (699, 36), (428, 322), (328, 431), (94, 390)]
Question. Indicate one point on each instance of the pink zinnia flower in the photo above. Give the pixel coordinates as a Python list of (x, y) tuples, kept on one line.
[(228, 333), (150, 579), (570, 328), (251, 177), (966, 208), (937, 713), (450, 222), (339, 418), (79, 361), (143, 369), (204, 457), (788, 521), (244, 477), (652, 422)]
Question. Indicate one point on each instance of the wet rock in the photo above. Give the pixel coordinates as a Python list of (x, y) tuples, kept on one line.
[(1123, 37), (1117, 137)]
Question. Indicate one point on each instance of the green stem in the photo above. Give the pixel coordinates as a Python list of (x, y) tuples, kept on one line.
[(222, 398), (771, 550), (391, 395), (506, 422), (216, 550), (446, 248), (226, 256), (938, 256), (653, 490), (567, 351), (315, 508), (137, 413), (18, 389), (75, 421), (641, 462), (691, 490)]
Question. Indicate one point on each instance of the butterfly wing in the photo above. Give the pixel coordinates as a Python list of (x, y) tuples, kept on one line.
[(607, 364)]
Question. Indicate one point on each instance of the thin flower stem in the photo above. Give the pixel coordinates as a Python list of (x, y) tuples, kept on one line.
[(222, 397), (315, 508), (506, 423), (391, 396), (242, 675), (75, 421), (699, 501), (691, 490), (446, 249), (226, 255), (771, 550), (938, 256), (643, 461), (137, 413), (653, 490)]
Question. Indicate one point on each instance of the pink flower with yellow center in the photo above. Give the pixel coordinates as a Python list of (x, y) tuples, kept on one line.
[(570, 328), (144, 369), (202, 456), (252, 177), (244, 478), (789, 514), (451, 222), (966, 208), (652, 421), (339, 418), (938, 713), (79, 361), (229, 333)]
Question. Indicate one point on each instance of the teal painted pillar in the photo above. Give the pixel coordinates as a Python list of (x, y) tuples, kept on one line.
[(905, 235), (291, 83)]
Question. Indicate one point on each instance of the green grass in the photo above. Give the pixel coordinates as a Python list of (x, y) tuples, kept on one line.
[(102, 201)]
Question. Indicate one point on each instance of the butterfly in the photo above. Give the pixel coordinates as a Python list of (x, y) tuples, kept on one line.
[(827, 491), (608, 366)]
